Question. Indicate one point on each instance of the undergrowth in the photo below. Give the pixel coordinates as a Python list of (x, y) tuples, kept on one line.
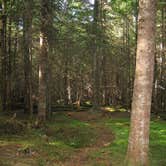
[(63, 137)]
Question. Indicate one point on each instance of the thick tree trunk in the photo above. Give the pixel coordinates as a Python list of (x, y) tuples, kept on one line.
[(43, 62), (137, 154), (27, 44), (3, 56), (96, 52), (42, 78)]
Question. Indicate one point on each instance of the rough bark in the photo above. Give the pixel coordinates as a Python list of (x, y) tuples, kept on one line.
[(138, 147), (43, 61), (27, 44), (96, 52), (3, 56)]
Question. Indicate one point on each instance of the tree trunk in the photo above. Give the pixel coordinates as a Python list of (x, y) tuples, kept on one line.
[(67, 83), (3, 56), (162, 95), (96, 55), (137, 154), (9, 73), (43, 62), (27, 44)]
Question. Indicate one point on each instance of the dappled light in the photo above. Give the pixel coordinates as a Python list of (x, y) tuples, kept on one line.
[(110, 109), (82, 83), (66, 137)]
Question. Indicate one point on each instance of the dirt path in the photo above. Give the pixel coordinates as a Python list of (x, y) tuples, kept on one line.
[(81, 157), (10, 155), (86, 156), (89, 116)]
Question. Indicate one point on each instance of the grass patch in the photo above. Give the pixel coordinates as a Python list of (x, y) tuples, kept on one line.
[(63, 137), (76, 137), (157, 141)]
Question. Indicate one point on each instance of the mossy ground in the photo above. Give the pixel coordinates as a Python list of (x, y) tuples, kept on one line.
[(68, 139)]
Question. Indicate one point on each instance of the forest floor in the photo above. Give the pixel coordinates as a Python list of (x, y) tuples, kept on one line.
[(74, 139)]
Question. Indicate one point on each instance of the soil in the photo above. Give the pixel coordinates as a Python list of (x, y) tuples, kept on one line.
[(82, 156), (87, 116)]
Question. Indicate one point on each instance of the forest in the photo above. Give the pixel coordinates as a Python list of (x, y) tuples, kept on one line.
[(82, 83)]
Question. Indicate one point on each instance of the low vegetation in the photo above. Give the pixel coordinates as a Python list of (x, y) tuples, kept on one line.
[(68, 139)]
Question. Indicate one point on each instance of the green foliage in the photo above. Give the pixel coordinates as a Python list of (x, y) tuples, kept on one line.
[(124, 7)]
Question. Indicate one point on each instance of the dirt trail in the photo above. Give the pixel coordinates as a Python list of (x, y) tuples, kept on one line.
[(81, 157)]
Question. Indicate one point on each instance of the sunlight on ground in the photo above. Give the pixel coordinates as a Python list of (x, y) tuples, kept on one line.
[(113, 109), (110, 109)]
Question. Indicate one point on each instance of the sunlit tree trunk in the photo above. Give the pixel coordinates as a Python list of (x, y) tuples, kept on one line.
[(138, 147), (161, 95), (43, 61), (67, 83), (164, 57)]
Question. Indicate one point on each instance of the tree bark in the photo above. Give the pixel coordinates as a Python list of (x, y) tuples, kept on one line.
[(9, 73), (3, 56), (162, 95), (96, 55), (27, 44), (138, 147), (43, 63)]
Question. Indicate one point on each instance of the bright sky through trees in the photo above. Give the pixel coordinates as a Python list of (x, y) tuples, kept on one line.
[(91, 1)]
